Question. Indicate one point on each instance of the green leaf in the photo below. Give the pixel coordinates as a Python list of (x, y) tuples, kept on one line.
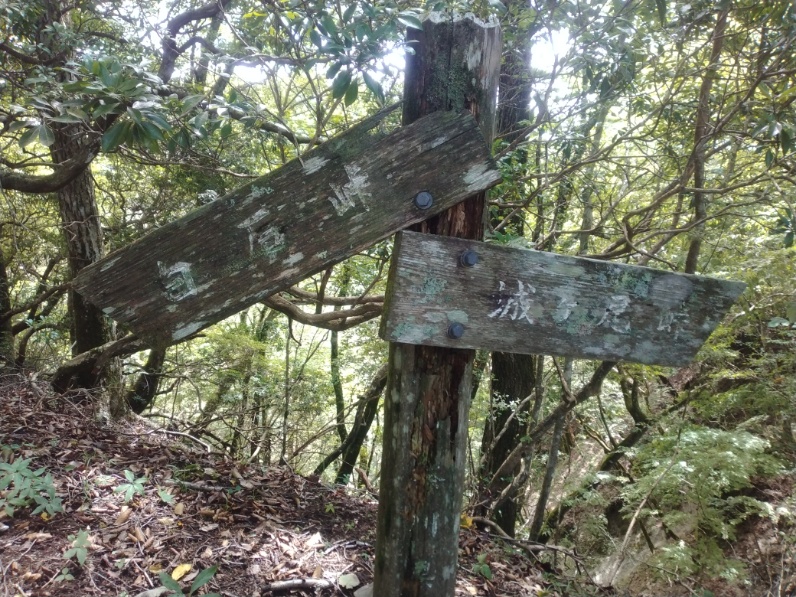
[(408, 19), (499, 6), (203, 578), (328, 24), (20, 124), (105, 109), (67, 118), (351, 93), (340, 84), (190, 102), (113, 137), (769, 158), (375, 87), (46, 135), (349, 12), (315, 38), (168, 582), (334, 69), (29, 136)]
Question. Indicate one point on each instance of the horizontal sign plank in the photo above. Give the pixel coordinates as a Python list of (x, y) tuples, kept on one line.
[(465, 294), (339, 199)]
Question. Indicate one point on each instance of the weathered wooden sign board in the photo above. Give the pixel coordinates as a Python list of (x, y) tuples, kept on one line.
[(464, 294), (339, 199)]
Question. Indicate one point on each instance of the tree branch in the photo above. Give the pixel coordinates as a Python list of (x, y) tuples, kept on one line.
[(331, 320)]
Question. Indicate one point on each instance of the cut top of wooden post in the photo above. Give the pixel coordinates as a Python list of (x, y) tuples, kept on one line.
[(466, 294), (339, 199)]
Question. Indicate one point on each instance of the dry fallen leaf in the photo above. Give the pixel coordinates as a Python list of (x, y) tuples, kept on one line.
[(314, 541), (318, 573), (348, 581), (179, 509), (124, 515), (180, 571)]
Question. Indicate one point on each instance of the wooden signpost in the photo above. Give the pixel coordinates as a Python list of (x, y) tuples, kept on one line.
[(465, 294), (444, 293), (339, 199)]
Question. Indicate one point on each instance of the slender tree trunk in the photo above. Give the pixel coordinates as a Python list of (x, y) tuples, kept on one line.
[(334, 364), (552, 463), (7, 355), (142, 394), (701, 134), (454, 66), (366, 412), (513, 380), (513, 376)]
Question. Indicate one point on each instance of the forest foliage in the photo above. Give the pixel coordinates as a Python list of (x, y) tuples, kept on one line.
[(651, 132)]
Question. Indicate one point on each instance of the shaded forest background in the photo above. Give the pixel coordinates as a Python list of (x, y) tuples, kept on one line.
[(652, 132)]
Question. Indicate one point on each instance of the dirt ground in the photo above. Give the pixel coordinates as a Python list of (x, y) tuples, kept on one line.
[(138, 502)]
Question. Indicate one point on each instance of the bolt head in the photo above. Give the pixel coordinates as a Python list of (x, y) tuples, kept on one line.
[(469, 258), (455, 331), (424, 200)]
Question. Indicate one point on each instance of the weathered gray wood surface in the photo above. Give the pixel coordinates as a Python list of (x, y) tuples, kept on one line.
[(455, 64), (533, 302), (339, 199)]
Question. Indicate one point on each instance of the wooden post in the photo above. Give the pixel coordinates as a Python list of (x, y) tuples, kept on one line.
[(455, 66)]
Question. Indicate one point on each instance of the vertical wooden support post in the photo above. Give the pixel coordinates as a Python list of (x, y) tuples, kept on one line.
[(455, 66)]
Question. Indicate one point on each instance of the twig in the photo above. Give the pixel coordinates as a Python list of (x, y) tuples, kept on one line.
[(190, 437), (299, 583), (195, 486), (529, 547)]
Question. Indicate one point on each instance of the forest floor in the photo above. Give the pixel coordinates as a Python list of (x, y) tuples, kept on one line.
[(138, 502)]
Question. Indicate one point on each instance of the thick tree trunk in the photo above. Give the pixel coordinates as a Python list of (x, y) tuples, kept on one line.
[(454, 66), (83, 237)]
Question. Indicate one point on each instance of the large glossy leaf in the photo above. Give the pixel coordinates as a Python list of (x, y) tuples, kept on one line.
[(340, 84), (115, 136)]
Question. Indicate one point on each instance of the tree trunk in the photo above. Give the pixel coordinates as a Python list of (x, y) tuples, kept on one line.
[(547, 481), (83, 236), (701, 134), (7, 355), (552, 461), (366, 412), (454, 66), (512, 374), (146, 386), (513, 379)]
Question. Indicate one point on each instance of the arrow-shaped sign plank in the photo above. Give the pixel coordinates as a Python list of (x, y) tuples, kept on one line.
[(339, 199), (464, 294)]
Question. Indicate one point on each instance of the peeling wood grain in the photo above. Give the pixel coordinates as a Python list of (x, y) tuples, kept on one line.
[(341, 198), (533, 302)]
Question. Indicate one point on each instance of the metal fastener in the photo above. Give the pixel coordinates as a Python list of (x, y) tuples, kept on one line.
[(424, 200), (469, 258), (455, 331)]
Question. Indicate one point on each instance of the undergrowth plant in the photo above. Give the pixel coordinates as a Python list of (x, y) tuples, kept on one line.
[(204, 577), (700, 496), (22, 487), (134, 486)]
